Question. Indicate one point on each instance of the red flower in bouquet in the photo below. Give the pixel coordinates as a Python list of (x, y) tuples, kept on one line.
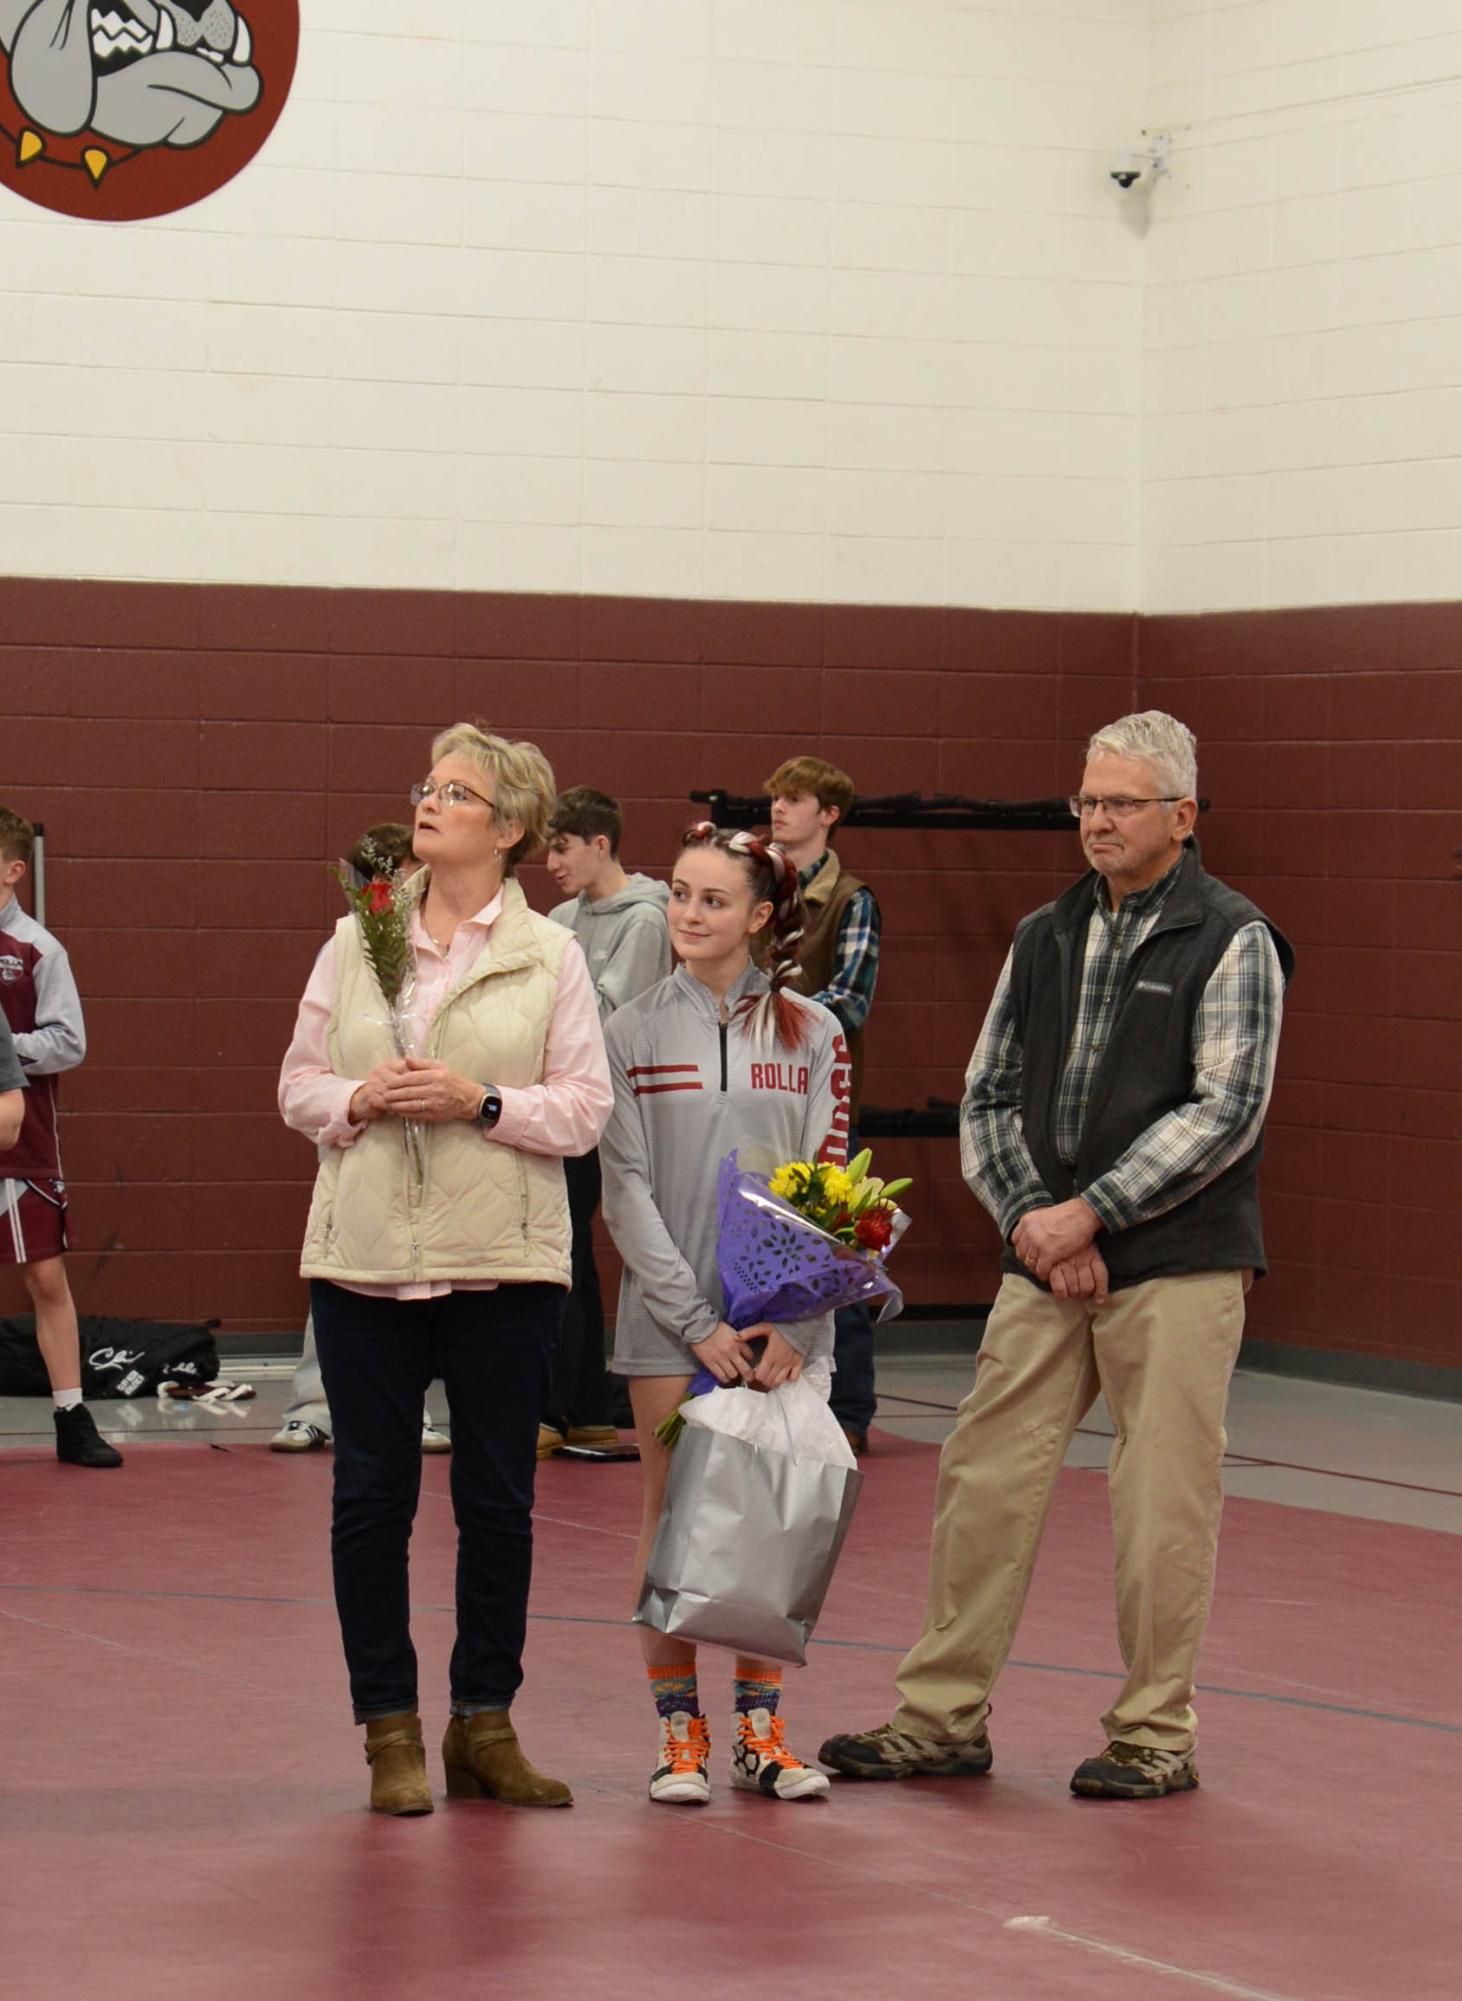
[(874, 1229), (382, 910)]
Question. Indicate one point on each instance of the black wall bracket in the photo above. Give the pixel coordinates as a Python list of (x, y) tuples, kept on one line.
[(907, 810)]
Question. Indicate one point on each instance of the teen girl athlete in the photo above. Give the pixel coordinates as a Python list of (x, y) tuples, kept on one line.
[(718, 1056)]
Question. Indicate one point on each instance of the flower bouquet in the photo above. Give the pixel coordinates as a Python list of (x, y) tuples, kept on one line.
[(805, 1240), (382, 908)]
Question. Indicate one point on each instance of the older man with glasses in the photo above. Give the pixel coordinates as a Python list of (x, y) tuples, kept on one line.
[(1112, 1124)]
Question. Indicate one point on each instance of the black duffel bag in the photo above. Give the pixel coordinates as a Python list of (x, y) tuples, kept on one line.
[(119, 1358)]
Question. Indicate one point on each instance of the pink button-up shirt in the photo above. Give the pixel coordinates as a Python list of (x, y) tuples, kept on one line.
[(564, 1114)]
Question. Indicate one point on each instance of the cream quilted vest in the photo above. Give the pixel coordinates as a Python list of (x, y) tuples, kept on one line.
[(482, 1211)]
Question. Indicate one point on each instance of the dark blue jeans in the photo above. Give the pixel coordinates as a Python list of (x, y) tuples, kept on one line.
[(580, 1396), (854, 1398), (855, 1394), (494, 1350)]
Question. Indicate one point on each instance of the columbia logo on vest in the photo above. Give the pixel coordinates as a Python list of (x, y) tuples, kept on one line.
[(1154, 987)]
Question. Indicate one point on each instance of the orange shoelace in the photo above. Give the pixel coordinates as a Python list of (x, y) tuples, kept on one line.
[(689, 1754), (771, 1746)]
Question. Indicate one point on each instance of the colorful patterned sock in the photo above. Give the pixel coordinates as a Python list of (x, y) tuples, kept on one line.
[(672, 1687), (762, 1690)]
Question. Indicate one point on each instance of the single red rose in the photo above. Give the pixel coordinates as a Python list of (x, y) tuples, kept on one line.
[(874, 1230), (378, 896)]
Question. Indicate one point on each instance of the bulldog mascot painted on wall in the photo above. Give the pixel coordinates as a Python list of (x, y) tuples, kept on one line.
[(178, 93)]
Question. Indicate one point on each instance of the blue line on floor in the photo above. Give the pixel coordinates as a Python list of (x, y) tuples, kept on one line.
[(845, 1646)]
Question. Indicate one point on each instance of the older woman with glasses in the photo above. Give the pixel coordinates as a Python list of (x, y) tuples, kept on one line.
[(451, 1258)]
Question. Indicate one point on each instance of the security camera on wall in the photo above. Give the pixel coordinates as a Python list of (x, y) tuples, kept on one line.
[(1140, 166)]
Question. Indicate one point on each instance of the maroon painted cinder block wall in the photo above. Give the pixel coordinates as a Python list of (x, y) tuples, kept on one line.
[(1331, 741), (198, 754)]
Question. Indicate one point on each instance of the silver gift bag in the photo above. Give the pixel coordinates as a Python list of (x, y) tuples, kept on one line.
[(747, 1545)]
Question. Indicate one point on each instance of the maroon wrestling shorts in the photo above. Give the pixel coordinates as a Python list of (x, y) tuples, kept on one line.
[(32, 1221)]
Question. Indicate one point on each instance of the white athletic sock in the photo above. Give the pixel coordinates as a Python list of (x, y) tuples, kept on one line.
[(65, 1399)]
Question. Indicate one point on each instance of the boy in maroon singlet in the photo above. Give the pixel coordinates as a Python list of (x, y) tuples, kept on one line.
[(40, 1003)]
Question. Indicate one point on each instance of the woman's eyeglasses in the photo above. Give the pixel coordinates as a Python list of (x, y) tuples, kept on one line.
[(452, 793)]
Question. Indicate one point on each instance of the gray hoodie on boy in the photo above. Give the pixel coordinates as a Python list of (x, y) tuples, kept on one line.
[(624, 937)]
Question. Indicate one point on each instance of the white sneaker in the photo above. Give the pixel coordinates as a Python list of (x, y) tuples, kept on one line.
[(761, 1762), (680, 1778), (299, 1437), (433, 1440)]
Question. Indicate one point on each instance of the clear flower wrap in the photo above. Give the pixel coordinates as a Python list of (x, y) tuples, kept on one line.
[(382, 908)]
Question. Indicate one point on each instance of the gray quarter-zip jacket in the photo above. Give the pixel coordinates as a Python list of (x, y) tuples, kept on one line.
[(624, 937), (688, 1089)]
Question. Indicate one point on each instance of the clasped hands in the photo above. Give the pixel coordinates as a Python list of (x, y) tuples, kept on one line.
[(725, 1354), (414, 1087), (1055, 1244)]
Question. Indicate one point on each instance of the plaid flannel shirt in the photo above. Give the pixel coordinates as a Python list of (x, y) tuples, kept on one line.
[(849, 993), (1235, 1040)]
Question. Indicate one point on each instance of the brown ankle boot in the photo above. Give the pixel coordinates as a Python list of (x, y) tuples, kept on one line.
[(397, 1759), (484, 1762)]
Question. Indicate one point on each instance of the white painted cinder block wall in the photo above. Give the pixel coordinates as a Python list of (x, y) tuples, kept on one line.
[(1302, 383), (794, 299)]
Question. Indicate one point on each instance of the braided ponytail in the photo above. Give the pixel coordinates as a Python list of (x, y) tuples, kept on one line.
[(773, 879)]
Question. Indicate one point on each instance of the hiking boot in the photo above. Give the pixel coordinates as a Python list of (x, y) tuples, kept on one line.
[(680, 1778), (297, 1436), (886, 1753), (433, 1440), (761, 1762), (1135, 1772), (550, 1438), (857, 1438), (397, 1758), (592, 1437), (79, 1443)]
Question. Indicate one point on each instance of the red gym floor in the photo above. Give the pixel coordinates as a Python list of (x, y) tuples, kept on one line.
[(182, 1793)]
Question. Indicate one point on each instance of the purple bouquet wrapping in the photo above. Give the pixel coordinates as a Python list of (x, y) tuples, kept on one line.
[(776, 1264)]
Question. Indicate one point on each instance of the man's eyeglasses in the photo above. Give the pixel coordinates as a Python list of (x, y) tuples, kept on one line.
[(1119, 805), (452, 793)]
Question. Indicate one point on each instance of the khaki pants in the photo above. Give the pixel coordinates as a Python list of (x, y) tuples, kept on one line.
[(1162, 1353)]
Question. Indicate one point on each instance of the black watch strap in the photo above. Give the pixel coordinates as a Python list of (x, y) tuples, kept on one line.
[(491, 1108)]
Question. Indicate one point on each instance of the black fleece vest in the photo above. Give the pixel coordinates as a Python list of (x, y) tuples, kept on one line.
[(1145, 1071)]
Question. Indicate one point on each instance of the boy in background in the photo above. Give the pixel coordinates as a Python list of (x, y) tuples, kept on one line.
[(43, 1009), (619, 920), (839, 954)]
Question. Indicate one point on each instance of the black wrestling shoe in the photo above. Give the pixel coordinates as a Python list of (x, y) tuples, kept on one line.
[(79, 1443)]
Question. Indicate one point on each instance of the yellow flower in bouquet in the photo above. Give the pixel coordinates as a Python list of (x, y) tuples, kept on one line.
[(838, 1199)]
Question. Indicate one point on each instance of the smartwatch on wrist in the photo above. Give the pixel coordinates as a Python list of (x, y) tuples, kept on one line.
[(491, 1108)]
